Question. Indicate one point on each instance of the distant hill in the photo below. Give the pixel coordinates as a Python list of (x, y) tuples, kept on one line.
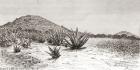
[(33, 22), (126, 33), (119, 35)]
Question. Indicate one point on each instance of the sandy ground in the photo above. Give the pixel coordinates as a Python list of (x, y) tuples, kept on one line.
[(90, 58)]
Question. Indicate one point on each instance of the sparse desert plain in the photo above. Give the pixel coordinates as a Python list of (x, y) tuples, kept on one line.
[(35, 43), (90, 58)]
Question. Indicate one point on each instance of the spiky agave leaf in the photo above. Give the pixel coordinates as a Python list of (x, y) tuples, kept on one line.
[(56, 37), (17, 49), (54, 52), (76, 40)]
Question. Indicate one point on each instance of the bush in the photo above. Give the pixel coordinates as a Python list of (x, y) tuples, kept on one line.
[(41, 40), (38, 38), (56, 37), (34, 35), (17, 49), (76, 40), (7, 39), (54, 52), (26, 43)]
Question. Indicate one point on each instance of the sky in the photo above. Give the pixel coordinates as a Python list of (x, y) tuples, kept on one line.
[(94, 16)]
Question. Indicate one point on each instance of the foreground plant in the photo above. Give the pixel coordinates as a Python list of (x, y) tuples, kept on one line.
[(76, 40), (54, 52), (17, 49), (26, 43), (56, 37)]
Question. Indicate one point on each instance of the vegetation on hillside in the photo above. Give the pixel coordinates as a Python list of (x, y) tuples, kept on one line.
[(7, 39)]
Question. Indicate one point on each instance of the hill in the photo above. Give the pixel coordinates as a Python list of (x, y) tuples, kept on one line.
[(126, 33), (33, 22), (33, 27)]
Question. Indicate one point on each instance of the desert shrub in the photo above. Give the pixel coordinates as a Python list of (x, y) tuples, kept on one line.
[(100, 35), (76, 40), (54, 52), (41, 40), (17, 49), (26, 43), (34, 35), (56, 37), (116, 36), (123, 46), (7, 39), (37, 37), (49, 40)]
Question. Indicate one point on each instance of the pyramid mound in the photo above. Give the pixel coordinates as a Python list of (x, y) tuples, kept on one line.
[(126, 33), (32, 22)]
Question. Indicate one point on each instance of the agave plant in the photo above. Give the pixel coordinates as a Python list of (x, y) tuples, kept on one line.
[(54, 52), (76, 40), (17, 49), (56, 37)]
